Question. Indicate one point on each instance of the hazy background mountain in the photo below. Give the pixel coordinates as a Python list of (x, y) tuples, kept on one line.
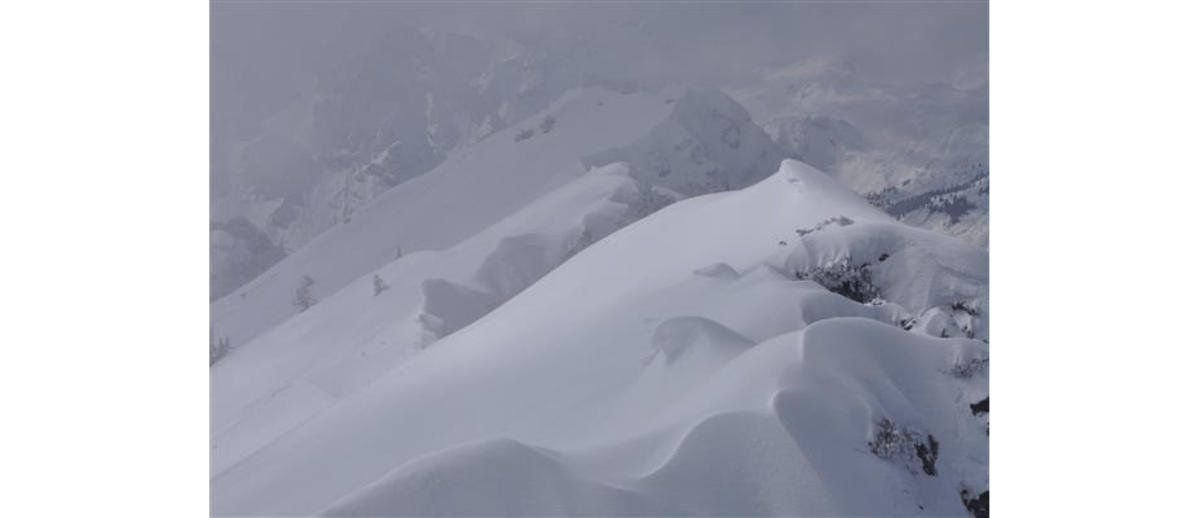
[(318, 108)]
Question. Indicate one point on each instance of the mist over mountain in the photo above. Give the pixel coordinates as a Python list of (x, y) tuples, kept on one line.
[(316, 110), (585, 259)]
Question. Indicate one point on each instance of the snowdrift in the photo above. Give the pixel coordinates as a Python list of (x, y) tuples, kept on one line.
[(701, 361), (358, 333)]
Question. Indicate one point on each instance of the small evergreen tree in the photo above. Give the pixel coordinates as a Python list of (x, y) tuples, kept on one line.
[(380, 286), (844, 278), (523, 135), (217, 347), (304, 297)]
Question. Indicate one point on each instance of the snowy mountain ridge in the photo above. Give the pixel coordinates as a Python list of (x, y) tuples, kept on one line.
[(717, 356), (675, 140), (408, 99)]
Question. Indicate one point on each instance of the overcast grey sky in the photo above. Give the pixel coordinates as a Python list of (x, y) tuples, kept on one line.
[(893, 40)]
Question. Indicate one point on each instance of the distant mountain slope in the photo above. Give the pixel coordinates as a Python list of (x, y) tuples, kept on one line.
[(919, 151), (295, 157), (782, 349)]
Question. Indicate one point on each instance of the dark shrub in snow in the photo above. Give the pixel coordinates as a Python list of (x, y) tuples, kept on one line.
[(217, 347), (965, 307), (928, 453), (967, 368), (977, 506), (840, 221), (379, 285), (907, 444), (845, 279), (304, 297)]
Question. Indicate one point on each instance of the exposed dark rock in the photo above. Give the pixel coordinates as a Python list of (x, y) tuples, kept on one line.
[(977, 506), (965, 307), (980, 407), (928, 453)]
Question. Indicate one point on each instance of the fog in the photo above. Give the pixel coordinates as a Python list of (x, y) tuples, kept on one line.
[(267, 54), (318, 107), (271, 44)]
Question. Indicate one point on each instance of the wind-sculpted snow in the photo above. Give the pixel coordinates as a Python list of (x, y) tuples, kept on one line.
[(695, 336), (717, 270), (446, 307), (430, 295), (675, 367), (492, 478), (917, 269), (797, 449)]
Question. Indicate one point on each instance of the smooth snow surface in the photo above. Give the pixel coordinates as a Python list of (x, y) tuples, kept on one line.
[(676, 366)]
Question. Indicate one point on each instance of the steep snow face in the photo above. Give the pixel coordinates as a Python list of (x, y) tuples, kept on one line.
[(919, 152), (506, 172), (677, 366)]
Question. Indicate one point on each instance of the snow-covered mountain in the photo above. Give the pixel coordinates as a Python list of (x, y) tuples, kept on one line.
[(390, 111), (784, 348), (679, 142), (920, 152), (300, 161)]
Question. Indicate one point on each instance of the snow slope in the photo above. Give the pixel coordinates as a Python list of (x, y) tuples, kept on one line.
[(678, 366), (291, 371), (690, 141)]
